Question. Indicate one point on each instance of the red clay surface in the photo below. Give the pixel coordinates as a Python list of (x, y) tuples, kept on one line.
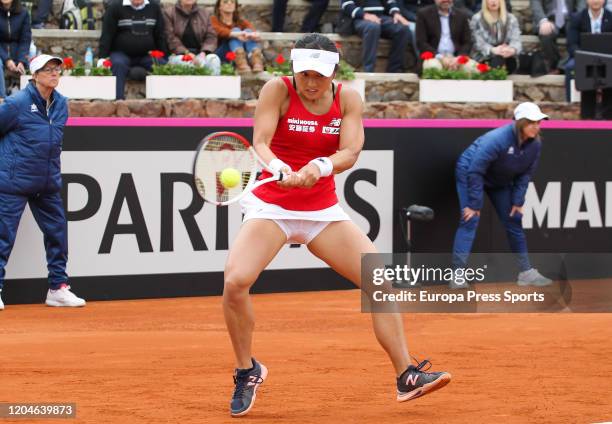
[(170, 361)]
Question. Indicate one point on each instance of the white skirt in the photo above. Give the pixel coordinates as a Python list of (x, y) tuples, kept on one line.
[(300, 227), (253, 207)]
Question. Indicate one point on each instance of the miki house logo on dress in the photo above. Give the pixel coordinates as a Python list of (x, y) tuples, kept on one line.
[(302, 125)]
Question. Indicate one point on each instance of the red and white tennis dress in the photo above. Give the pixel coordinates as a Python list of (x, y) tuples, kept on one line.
[(301, 136)]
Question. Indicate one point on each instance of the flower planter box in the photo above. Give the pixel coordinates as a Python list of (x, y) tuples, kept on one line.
[(496, 91), (356, 84), (188, 86), (83, 87)]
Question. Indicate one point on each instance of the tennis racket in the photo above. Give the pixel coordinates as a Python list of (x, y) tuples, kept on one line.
[(222, 150)]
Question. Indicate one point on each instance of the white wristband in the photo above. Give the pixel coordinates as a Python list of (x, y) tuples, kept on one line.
[(325, 165), (276, 165)]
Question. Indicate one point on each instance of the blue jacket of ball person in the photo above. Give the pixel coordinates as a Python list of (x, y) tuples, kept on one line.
[(496, 160), (31, 134)]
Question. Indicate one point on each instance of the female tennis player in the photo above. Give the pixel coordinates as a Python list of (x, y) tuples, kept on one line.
[(310, 129)]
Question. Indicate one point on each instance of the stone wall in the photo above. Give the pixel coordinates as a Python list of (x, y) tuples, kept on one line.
[(242, 109)]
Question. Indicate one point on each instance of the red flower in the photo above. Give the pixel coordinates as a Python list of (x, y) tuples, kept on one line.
[(230, 56), (462, 60), (68, 63), (427, 55), (156, 54), (186, 58), (107, 63), (280, 59), (483, 67)]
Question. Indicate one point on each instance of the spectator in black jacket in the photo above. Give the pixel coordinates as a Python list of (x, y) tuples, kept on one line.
[(310, 22), (373, 19), (15, 39), (594, 19), (409, 8), (444, 31), (131, 29)]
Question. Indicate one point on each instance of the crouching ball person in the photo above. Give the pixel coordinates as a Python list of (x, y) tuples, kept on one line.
[(31, 131), (304, 208), (500, 164)]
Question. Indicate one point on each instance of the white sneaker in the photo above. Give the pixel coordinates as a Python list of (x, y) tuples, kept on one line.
[(532, 277), (63, 297), (1, 303)]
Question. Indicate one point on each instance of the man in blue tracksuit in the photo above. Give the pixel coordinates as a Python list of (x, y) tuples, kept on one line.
[(500, 164), (31, 131)]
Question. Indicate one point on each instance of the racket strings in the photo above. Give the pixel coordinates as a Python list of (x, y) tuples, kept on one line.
[(220, 153)]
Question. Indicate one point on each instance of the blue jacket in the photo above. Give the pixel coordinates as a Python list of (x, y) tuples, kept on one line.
[(15, 36), (31, 142), (495, 160)]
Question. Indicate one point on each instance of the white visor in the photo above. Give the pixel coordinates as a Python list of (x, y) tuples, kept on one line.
[(320, 61)]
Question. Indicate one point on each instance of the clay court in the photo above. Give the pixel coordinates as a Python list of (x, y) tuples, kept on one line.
[(170, 361)]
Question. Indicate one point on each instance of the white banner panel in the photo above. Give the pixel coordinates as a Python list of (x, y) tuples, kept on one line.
[(132, 181)]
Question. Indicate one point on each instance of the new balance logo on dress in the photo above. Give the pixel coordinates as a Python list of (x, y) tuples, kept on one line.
[(333, 127)]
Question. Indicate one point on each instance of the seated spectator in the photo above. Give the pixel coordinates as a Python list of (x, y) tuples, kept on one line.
[(496, 35), (130, 30), (236, 34), (40, 17), (594, 19), (444, 31), (189, 32), (279, 10), (478, 5), (15, 39), (314, 15), (549, 19), (310, 22), (373, 19), (409, 8)]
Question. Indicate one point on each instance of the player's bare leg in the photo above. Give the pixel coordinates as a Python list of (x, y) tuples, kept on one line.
[(258, 241), (340, 245)]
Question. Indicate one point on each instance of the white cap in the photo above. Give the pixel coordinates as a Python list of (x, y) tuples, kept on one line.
[(529, 110), (40, 61), (320, 61)]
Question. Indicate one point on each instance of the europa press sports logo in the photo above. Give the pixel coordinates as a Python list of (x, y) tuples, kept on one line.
[(333, 127)]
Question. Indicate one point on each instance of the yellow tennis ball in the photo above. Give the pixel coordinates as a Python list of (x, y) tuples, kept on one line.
[(230, 177)]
